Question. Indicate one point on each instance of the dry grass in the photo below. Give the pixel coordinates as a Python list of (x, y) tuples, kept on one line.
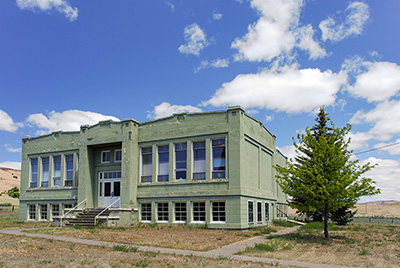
[(34, 252), (368, 245), (178, 237)]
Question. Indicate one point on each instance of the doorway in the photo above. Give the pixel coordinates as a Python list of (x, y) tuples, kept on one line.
[(109, 189)]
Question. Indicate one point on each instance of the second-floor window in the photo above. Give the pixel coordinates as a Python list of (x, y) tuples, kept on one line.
[(218, 159), (163, 163), (199, 160), (105, 156), (57, 170), (34, 173), (118, 155), (69, 170), (147, 168), (180, 161), (45, 172)]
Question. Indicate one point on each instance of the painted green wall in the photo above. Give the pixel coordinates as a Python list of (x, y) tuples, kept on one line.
[(250, 154)]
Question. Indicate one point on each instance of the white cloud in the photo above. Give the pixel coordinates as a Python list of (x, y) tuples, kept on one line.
[(61, 6), (217, 16), (69, 120), (384, 118), (288, 89), (10, 164), (166, 109), (276, 33), (216, 63), (380, 81), (392, 148), (7, 123), (357, 14), (386, 176), (269, 118), (195, 39), (171, 5), (288, 151), (12, 150), (305, 37), (359, 140)]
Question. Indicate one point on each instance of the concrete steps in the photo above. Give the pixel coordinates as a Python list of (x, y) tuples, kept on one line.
[(86, 218)]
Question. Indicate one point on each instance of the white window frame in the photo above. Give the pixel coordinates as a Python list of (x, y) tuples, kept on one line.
[(193, 212), (175, 162), (248, 212), (115, 155), (158, 162), (54, 210), (259, 212), (66, 171), (146, 212), (54, 178), (185, 212), (45, 177), (158, 212), (212, 158), (102, 156), (46, 217), (212, 212), (31, 172), (267, 212), (34, 211), (194, 160), (142, 153)]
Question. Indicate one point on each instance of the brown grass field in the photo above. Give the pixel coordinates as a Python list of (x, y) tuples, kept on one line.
[(360, 245)]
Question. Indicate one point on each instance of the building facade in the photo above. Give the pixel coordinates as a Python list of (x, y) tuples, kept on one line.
[(212, 168)]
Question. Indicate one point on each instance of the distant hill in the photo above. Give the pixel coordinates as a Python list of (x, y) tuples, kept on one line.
[(9, 178), (380, 202)]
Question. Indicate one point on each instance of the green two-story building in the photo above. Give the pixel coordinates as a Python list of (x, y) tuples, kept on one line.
[(211, 168)]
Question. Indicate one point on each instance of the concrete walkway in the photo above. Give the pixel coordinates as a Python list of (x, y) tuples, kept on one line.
[(227, 251)]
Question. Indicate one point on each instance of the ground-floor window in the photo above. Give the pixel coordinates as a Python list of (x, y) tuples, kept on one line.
[(55, 210), (218, 212), (43, 212), (282, 211), (250, 211), (259, 212), (67, 207), (199, 211), (32, 212), (162, 212), (146, 212), (180, 212), (266, 212)]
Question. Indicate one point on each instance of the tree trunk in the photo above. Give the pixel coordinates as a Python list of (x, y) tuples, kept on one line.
[(326, 232)]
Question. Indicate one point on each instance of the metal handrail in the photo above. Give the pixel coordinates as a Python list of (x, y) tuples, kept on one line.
[(98, 215), (72, 209)]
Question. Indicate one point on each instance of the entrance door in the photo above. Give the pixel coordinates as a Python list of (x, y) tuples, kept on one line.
[(112, 191), (109, 188)]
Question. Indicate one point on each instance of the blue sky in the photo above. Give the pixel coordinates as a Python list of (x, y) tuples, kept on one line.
[(67, 63)]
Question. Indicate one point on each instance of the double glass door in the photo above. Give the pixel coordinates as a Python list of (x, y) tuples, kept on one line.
[(109, 189)]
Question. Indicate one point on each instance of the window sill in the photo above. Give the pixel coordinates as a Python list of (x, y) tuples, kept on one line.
[(202, 222), (218, 222), (179, 222)]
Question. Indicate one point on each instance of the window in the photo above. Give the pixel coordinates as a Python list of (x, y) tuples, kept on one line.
[(162, 212), (199, 160), (218, 153), (43, 212), (146, 212), (32, 212), (45, 172), (69, 170), (105, 156), (118, 155), (147, 168), (55, 210), (57, 170), (259, 212), (77, 170), (163, 163), (180, 161), (199, 211), (34, 172), (267, 212), (67, 207), (250, 211), (180, 212), (218, 212)]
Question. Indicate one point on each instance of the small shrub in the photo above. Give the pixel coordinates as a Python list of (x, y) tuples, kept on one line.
[(150, 254), (124, 248), (265, 247), (142, 263), (364, 252)]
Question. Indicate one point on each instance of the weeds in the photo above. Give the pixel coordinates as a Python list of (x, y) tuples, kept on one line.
[(142, 263), (283, 223), (124, 248)]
